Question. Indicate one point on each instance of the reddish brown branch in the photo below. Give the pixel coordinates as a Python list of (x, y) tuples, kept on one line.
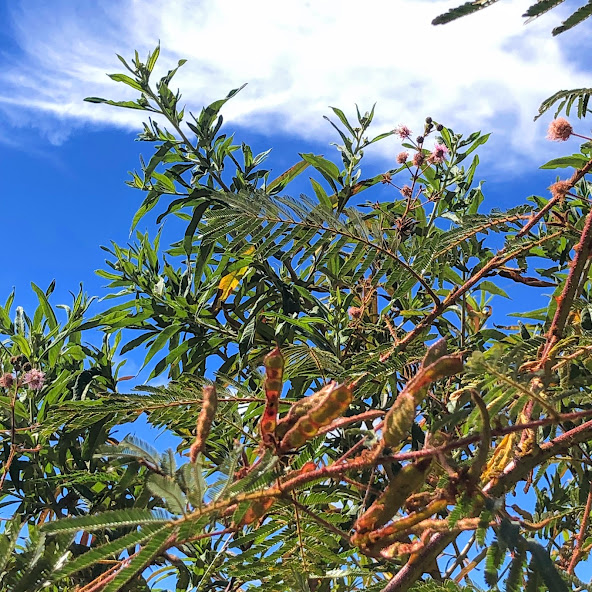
[(582, 534), (570, 290), (577, 176)]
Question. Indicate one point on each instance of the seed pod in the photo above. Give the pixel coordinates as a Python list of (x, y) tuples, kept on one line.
[(331, 406), (204, 421), (410, 478), (274, 373), (443, 367), (399, 419), (301, 408)]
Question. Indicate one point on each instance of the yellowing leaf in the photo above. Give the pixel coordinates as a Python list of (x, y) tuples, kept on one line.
[(229, 282)]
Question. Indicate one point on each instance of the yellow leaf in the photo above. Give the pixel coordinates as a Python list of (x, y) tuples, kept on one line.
[(229, 282)]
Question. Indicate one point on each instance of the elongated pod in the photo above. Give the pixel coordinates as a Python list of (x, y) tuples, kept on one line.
[(330, 407), (274, 373)]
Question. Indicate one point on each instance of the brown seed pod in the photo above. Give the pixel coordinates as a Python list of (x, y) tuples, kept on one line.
[(274, 373), (204, 421), (399, 419), (410, 478), (331, 406), (301, 408)]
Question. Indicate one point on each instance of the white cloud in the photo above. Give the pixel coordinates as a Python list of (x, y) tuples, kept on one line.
[(486, 71)]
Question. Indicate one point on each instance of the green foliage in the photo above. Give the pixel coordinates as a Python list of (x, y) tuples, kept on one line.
[(534, 11), (391, 298)]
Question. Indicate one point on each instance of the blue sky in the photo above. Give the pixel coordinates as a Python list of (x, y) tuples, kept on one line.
[(63, 162)]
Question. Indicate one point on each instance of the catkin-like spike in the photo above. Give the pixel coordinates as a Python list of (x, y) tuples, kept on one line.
[(204, 421), (274, 373), (408, 480), (301, 408), (330, 407)]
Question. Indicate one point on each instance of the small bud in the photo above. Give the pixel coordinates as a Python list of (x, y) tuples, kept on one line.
[(439, 127), (27, 366), (419, 139), (428, 120)]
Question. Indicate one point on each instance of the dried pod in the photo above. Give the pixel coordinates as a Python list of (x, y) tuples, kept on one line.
[(274, 373), (204, 421), (331, 406), (410, 478), (301, 408), (399, 419)]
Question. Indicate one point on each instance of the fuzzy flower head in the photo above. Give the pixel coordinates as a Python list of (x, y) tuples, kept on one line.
[(560, 189), (438, 154), (355, 312), (406, 191), (34, 379), (402, 157), (6, 380), (559, 130), (402, 131)]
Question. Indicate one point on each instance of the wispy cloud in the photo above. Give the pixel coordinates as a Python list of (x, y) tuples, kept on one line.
[(485, 72)]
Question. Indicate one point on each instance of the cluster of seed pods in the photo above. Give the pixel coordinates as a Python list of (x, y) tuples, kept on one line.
[(375, 533)]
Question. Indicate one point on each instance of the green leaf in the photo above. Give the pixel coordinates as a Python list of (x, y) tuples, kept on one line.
[(286, 177), (324, 166), (198, 212), (126, 80), (160, 342), (52, 321), (125, 104), (152, 57), (580, 15), (110, 519), (546, 567), (107, 550), (142, 560), (492, 288), (460, 11), (322, 196), (343, 119), (149, 202), (169, 492), (576, 161)]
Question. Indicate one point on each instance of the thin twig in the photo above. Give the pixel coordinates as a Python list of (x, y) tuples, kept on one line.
[(582, 534)]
